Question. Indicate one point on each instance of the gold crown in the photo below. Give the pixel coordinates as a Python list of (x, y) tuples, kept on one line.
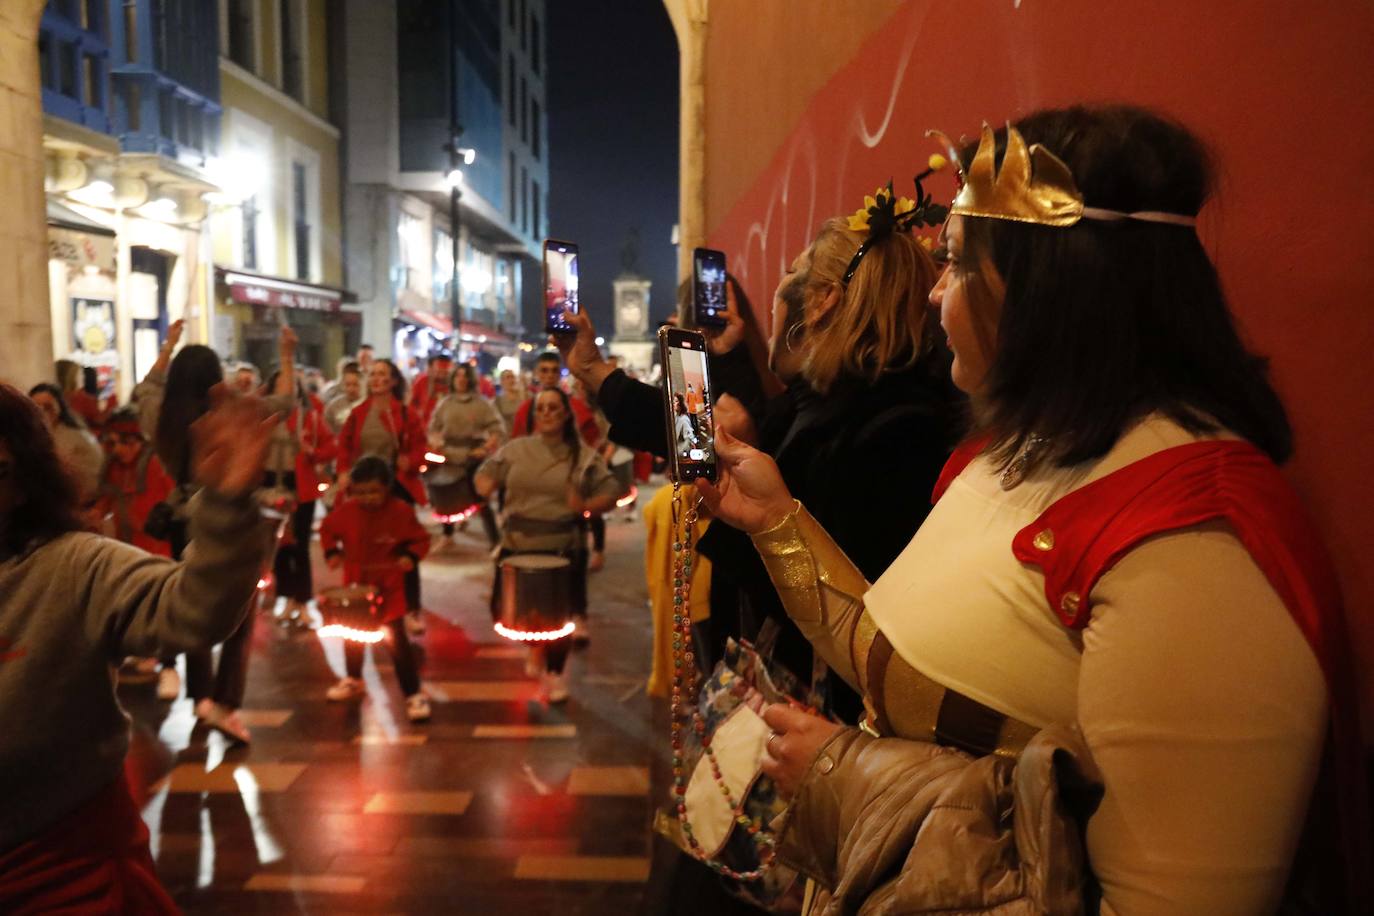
[(1034, 186)]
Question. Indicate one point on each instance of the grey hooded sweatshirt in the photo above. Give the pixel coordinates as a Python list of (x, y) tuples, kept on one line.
[(70, 610)]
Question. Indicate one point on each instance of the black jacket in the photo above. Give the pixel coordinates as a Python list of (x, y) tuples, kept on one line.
[(863, 459)]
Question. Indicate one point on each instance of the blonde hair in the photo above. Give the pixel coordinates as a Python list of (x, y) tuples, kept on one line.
[(880, 323)]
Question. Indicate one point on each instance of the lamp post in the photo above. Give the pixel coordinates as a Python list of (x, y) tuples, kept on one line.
[(455, 194)]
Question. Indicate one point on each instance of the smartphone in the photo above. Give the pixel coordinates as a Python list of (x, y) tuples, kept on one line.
[(687, 400), (560, 284), (708, 287)]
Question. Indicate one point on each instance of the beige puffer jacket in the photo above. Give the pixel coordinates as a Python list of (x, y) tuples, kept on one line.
[(891, 826)]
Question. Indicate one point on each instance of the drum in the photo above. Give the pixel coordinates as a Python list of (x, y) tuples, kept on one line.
[(352, 612), (535, 597), (450, 489)]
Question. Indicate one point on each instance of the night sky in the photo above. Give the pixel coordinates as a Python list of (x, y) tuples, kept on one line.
[(613, 148)]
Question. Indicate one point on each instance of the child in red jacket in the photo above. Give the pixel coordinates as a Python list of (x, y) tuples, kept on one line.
[(376, 538), (131, 482)]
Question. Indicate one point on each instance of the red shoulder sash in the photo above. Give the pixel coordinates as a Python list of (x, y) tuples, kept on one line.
[(1084, 534)]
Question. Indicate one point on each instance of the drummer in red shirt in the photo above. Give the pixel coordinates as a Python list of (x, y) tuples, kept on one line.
[(431, 387), (548, 370), (376, 538)]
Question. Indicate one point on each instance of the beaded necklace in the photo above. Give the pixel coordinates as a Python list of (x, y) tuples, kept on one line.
[(685, 685)]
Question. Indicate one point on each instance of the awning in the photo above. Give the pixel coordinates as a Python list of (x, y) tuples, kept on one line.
[(66, 218), (259, 289), (472, 331)]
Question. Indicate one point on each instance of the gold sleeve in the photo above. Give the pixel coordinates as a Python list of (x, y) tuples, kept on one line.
[(821, 589)]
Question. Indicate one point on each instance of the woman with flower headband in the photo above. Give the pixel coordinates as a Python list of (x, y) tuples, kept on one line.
[(868, 402), (1113, 559)]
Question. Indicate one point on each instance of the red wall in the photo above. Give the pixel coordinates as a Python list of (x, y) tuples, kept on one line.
[(1283, 92)]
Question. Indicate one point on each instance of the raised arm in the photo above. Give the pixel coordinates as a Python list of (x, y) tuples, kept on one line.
[(143, 605)]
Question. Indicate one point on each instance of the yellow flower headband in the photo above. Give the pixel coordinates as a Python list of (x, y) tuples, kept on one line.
[(884, 213)]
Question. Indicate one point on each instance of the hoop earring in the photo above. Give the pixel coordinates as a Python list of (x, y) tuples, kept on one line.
[(789, 337)]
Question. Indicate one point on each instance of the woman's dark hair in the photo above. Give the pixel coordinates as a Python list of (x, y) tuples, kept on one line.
[(398, 381), (370, 469), (64, 413), (1105, 322), (569, 431), (48, 495), (194, 371), (464, 369), (679, 404)]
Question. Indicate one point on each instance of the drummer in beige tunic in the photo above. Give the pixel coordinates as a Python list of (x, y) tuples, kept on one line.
[(550, 480)]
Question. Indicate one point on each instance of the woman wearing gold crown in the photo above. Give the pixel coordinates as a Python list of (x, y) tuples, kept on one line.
[(1113, 560)]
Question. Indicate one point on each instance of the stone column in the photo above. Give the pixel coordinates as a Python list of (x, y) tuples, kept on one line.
[(689, 18), (25, 318)]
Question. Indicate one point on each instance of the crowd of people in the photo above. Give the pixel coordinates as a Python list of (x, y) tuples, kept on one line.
[(352, 458), (1007, 502)]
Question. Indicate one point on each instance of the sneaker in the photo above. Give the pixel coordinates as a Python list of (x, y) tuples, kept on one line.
[(556, 686), (415, 623), (168, 684), (417, 707), (596, 562), (224, 721), (534, 661), (348, 688), (581, 637)]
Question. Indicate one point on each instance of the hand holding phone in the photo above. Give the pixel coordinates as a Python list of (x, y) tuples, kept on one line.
[(687, 405), (560, 285), (708, 287)]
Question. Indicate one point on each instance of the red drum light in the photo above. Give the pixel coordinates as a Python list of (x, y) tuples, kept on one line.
[(435, 458), (535, 636), (629, 498), (456, 517), (265, 582), (351, 634)]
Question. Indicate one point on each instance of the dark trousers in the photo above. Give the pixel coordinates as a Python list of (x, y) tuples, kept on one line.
[(226, 685), (412, 578), (402, 657), (292, 565), (597, 523)]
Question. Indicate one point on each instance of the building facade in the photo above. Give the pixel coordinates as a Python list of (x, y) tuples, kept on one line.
[(130, 136), (276, 221), (443, 116)]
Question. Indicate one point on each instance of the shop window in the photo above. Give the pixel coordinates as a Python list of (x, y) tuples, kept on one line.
[(512, 188), (510, 82), (524, 111)]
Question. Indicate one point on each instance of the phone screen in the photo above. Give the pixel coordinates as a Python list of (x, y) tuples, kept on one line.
[(708, 287), (687, 389), (560, 284)]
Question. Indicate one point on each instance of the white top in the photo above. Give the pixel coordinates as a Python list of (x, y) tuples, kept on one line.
[(1201, 701)]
